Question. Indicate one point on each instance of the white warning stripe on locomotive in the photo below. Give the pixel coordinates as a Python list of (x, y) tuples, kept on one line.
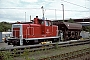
[(42, 38)]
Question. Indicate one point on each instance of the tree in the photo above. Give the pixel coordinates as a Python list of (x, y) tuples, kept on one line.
[(86, 28), (71, 20), (4, 26)]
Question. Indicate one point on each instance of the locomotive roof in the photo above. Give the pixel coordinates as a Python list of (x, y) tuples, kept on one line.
[(69, 26)]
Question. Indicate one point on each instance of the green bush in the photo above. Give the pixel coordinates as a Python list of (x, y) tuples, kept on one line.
[(5, 55), (56, 46), (25, 54)]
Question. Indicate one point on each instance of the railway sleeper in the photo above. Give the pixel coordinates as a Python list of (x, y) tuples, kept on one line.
[(65, 57)]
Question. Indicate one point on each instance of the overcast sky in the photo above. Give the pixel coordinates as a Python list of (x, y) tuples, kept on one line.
[(14, 10)]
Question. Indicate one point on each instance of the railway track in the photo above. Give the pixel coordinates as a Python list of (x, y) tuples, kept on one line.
[(16, 51), (47, 46), (83, 54)]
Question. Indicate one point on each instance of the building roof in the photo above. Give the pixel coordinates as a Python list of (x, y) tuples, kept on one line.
[(76, 20)]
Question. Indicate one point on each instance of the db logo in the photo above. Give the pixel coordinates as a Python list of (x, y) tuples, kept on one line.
[(47, 30)]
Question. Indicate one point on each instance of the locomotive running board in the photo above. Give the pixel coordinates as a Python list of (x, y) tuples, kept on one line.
[(42, 38)]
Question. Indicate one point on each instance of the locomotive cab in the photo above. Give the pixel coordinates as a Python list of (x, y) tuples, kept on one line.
[(42, 22)]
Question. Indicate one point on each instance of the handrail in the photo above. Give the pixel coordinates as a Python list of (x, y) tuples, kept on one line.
[(28, 32), (15, 32)]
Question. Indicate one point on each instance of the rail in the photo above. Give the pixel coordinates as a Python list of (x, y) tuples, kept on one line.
[(70, 55), (51, 45), (19, 50)]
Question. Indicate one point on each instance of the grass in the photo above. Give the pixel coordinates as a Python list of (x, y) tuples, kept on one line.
[(6, 55), (26, 55)]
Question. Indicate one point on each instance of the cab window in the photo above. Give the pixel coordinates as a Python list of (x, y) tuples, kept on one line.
[(47, 23)]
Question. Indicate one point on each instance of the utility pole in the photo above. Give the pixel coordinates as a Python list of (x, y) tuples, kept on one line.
[(25, 16), (30, 18), (43, 12), (55, 15), (63, 11)]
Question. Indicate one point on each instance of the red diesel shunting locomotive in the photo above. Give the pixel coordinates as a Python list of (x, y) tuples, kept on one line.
[(33, 33)]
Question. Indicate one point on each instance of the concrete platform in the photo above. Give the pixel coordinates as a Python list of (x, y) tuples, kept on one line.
[(5, 45)]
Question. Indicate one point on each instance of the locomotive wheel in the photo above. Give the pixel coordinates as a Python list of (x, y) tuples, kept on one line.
[(8, 43)]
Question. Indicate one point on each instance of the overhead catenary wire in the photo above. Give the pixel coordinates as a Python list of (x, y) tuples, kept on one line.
[(56, 9), (50, 9), (75, 4), (47, 9)]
